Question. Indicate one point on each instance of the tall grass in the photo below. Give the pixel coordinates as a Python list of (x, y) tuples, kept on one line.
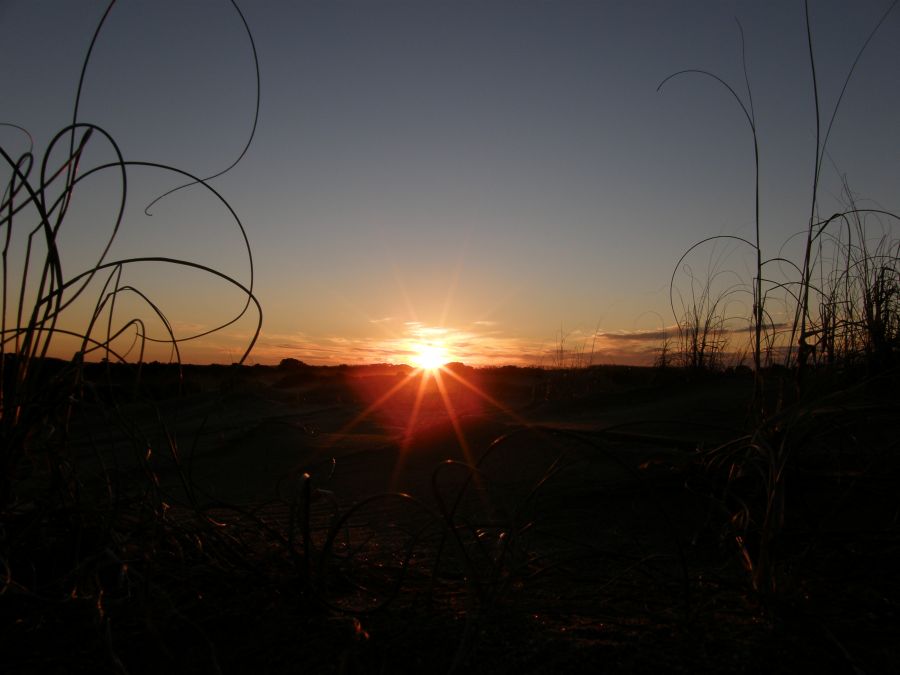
[(842, 283), (95, 540), (843, 296), (69, 512)]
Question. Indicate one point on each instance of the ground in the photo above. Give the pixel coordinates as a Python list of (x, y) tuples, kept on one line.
[(612, 519)]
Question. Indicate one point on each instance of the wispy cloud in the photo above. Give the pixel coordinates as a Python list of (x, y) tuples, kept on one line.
[(477, 344), (639, 336)]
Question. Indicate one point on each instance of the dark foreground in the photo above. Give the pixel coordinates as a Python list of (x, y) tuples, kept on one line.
[(307, 520)]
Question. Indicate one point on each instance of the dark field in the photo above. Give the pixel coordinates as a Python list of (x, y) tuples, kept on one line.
[(610, 519)]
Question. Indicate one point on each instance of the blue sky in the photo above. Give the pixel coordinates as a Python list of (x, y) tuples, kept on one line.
[(492, 174)]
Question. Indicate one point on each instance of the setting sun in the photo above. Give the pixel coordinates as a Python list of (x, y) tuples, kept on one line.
[(429, 356)]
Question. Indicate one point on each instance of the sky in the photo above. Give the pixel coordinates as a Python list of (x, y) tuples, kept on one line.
[(500, 178)]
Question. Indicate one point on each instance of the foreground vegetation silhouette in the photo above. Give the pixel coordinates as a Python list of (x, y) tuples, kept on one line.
[(688, 517)]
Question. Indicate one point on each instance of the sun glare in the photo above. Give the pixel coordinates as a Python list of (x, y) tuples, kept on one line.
[(429, 356)]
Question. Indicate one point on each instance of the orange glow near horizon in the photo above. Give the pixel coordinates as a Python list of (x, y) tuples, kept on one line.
[(429, 356)]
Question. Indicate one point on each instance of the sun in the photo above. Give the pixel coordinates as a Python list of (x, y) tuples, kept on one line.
[(429, 356)]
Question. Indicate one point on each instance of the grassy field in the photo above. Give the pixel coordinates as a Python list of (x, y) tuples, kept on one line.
[(699, 516), (285, 521)]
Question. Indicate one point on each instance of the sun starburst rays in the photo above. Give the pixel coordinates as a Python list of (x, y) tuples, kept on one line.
[(443, 394)]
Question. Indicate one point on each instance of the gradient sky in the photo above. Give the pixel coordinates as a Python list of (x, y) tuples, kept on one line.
[(496, 173)]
